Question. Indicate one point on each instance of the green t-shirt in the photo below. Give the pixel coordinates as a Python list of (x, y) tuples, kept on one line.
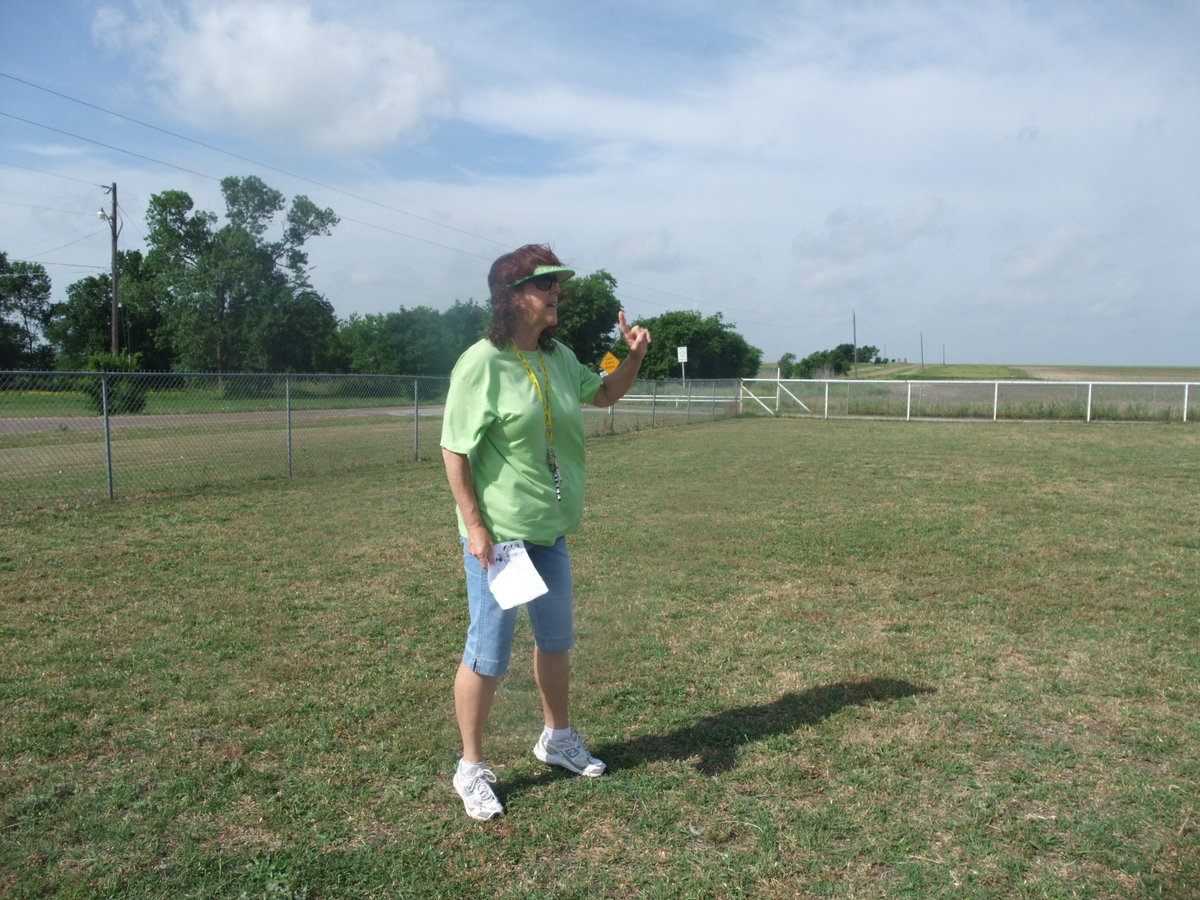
[(495, 417)]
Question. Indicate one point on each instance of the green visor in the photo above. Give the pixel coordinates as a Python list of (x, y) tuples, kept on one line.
[(560, 274)]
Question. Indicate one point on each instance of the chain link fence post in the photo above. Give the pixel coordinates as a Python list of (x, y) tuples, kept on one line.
[(107, 431), (287, 400)]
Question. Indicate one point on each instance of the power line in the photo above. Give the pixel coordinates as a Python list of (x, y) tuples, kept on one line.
[(80, 137), (65, 212), (51, 174), (70, 243), (413, 237), (35, 262), (129, 220), (213, 178), (254, 162), (293, 175)]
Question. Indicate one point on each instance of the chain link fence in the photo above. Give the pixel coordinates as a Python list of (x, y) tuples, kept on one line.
[(76, 437)]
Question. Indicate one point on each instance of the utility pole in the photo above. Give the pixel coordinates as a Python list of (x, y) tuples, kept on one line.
[(112, 224), (854, 331)]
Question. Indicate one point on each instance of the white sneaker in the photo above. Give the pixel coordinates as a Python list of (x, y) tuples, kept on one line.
[(475, 788), (570, 754)]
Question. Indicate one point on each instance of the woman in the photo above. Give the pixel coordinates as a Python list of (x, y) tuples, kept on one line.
[(513, 444)]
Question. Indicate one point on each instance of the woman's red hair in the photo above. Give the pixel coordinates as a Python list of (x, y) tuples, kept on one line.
[(506, 271)]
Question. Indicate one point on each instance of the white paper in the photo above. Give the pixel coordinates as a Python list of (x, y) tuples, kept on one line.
[(512, 579)]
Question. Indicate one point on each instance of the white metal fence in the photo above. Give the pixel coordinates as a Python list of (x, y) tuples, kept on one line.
[(73, 437), (1085, 401)]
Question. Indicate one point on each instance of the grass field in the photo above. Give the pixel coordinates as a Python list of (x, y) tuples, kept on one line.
[(822, 659)]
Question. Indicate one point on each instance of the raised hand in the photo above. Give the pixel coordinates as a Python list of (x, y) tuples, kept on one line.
[(637, 338)]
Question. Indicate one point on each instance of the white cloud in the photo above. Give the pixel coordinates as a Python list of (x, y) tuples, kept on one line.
[(866, 249), (652, 251), (54, 151), (273, 70), (858, 233), (985, 168), (1066, 253)]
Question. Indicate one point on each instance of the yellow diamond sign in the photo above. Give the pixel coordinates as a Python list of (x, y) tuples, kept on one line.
[(609, 363)]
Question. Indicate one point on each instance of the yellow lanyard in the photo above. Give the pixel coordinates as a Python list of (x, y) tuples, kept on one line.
[(551, 457)]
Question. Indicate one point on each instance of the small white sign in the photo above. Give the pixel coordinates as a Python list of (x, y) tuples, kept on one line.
[(682, 351)]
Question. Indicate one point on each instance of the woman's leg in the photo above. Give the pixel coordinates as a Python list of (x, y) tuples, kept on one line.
[(485, 659), (552, 671), (554, 633), (552, 617), (473, 696)]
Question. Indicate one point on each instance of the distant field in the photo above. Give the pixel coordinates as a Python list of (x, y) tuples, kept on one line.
[(1115, 373), (1043, 373)]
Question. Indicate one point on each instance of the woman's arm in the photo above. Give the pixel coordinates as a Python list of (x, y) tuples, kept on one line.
[(458, 472), (618, 383)]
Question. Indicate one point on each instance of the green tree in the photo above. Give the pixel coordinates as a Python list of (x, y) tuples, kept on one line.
[(419, 336), (24, 314), (232, 299), (715, 350), (587, 316), (80, 327), (293, 331), (827, 363), (787, 365), (736, 357), (406, 342), (464, 324), (417, 341), (824, 364), (361, 346), (119, 394)]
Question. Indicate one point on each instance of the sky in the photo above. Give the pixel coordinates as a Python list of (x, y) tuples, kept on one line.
[(990, 182)]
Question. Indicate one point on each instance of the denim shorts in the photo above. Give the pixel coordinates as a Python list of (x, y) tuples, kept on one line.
[(490, 635)]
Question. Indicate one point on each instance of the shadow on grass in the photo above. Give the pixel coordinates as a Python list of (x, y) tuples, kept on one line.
[(716, 739)]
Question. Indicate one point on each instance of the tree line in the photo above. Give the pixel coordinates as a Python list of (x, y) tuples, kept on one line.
[(235, 296), (828, 363)]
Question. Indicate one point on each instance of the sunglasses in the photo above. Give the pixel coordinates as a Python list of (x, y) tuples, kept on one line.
[(541, 282)]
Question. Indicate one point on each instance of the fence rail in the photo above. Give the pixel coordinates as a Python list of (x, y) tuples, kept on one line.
[(1085, 401), (74, 437)]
